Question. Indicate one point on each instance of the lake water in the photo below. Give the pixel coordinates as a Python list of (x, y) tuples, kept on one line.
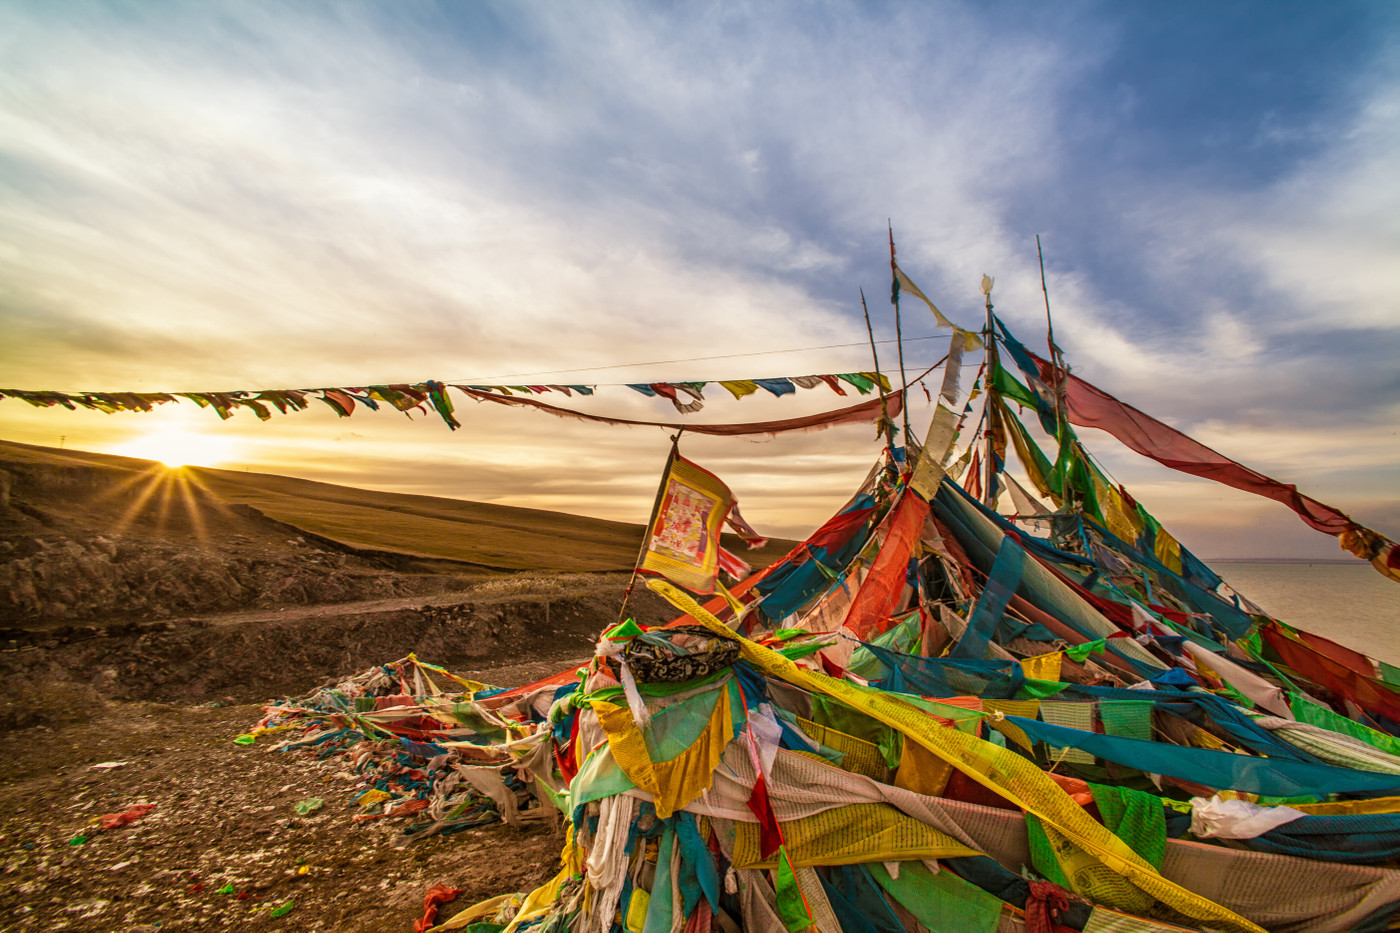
[(1348, 603)]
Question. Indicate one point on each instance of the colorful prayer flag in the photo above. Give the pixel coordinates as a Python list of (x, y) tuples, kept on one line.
[(684, 542)]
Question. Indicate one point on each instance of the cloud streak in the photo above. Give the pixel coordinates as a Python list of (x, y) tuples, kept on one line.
[(273, 195)]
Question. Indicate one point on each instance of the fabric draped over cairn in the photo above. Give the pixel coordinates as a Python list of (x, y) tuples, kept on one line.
[(932, 716), (905, 728)]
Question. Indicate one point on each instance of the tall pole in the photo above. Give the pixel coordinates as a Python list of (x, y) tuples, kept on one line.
[(989, 493), (1056, 360), (875, 355), (899, 336), (651, 521), (1057, 367)]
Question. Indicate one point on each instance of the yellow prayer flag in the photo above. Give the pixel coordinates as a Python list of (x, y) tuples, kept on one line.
[(971, 341), (907, 286), (740, 387), (1043, 666), (684, 542), (1167, 550)]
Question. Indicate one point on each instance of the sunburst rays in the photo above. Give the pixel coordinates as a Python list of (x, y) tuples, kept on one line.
[(175, 493)]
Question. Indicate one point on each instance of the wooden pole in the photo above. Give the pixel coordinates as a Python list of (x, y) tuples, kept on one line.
[(884, 409), (651, 521), (989, 489), (899, 336)]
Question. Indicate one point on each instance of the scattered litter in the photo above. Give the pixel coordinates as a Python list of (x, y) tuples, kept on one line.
[(77, 840), (371, 797), (411, 733), (284, 909), (245, 739), (310, 805), (227, 889), (108, 765), (437, 895), (115, 820)]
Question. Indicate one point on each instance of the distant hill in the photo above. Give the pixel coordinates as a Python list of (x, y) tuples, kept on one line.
[(496, 536), (84, 533)]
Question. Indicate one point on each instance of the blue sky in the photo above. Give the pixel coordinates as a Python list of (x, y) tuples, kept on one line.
[(265, 195)]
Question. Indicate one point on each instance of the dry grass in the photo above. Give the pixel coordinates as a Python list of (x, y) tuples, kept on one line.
[(494, 536), (426, 526)]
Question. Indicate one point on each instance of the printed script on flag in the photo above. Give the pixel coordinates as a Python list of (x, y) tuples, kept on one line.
[(684, 543)]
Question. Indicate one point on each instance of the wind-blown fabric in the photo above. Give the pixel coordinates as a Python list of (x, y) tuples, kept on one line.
[(1019, 781), (1371, 694), (1088, 406), (862, 760), (875, 603)]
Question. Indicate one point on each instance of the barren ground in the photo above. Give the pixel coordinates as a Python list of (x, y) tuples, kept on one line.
[(223, 812), (146, 616)]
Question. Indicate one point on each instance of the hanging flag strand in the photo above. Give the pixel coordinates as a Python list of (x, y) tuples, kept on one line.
[(687, 397)]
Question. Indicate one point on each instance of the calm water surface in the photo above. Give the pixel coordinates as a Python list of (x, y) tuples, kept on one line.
[(1348, 603)]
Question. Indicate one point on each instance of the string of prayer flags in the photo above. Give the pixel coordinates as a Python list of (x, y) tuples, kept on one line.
[(882, 406), (687, 397)]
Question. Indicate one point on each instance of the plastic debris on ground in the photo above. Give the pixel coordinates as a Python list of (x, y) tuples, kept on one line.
[(115, 820)]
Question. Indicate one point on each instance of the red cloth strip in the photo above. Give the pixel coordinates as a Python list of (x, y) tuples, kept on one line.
[(437, 895), (1372, 695), (875, 603), (1091, 407), (855, 414)]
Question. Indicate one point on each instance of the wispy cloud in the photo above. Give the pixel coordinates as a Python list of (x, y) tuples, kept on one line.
[(273, 195)]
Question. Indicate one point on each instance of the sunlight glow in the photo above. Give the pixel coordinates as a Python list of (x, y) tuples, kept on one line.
[(180, 448)]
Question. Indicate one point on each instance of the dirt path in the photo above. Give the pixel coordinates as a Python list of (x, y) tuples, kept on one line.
[(56, 675), (540, 589)]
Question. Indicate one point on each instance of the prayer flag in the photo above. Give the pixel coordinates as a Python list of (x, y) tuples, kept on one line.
[(684, 542)]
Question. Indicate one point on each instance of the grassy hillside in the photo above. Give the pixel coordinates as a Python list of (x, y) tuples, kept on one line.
[(420, 526)]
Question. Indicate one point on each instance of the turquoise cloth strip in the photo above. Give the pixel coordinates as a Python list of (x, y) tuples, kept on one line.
[(1269, 776)]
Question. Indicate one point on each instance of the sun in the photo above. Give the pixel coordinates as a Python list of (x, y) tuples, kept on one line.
[(180, 448)]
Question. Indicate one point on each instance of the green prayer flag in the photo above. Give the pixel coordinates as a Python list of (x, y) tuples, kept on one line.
[(1129, 719), (792, 906), (1010, 387), (1080, 652), (623, 631), (1137, 818), (1324, 718), (940, 901)]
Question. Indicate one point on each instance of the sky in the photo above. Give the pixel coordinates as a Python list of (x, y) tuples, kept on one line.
[(258, 195)]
